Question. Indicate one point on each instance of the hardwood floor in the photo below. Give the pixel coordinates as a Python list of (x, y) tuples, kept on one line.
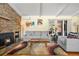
[(73, 53)]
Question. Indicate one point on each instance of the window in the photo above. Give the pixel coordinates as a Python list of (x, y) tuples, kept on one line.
[(60, 25), (62, 28)]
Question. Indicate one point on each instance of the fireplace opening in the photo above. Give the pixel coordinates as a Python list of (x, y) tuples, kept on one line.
[(6, 38), (7, 41)]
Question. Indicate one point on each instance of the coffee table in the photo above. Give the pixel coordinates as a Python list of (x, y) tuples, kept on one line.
[(38, 40)]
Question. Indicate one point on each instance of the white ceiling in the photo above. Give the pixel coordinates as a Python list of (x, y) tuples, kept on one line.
[(46, 9)]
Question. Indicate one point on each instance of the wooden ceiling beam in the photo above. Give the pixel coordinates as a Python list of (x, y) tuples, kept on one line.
[(61, 10), (74, 14)]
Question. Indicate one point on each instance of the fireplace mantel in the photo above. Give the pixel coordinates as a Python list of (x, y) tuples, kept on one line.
[(5, 18)]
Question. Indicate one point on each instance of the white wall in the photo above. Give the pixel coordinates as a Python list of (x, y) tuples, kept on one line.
[(45, 27)]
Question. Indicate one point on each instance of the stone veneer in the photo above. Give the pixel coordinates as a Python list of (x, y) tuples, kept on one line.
[(9, 19)]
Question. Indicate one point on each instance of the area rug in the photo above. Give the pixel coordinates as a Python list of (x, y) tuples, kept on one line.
[(38, 49)]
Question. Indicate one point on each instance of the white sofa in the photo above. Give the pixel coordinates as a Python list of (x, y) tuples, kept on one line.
[(35, 34), (68, 44)]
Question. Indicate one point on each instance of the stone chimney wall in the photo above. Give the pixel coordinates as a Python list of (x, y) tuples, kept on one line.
[(9, 19)]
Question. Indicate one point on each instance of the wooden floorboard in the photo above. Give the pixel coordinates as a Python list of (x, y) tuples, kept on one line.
[(73, 53)]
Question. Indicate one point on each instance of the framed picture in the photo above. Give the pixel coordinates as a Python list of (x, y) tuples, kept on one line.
[(39, 22)]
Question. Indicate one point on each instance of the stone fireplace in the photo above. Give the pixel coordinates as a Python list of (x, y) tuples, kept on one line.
[(9, 24)]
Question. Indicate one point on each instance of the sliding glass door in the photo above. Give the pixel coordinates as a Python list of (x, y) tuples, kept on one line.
[(60, 26), (65, 28)]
